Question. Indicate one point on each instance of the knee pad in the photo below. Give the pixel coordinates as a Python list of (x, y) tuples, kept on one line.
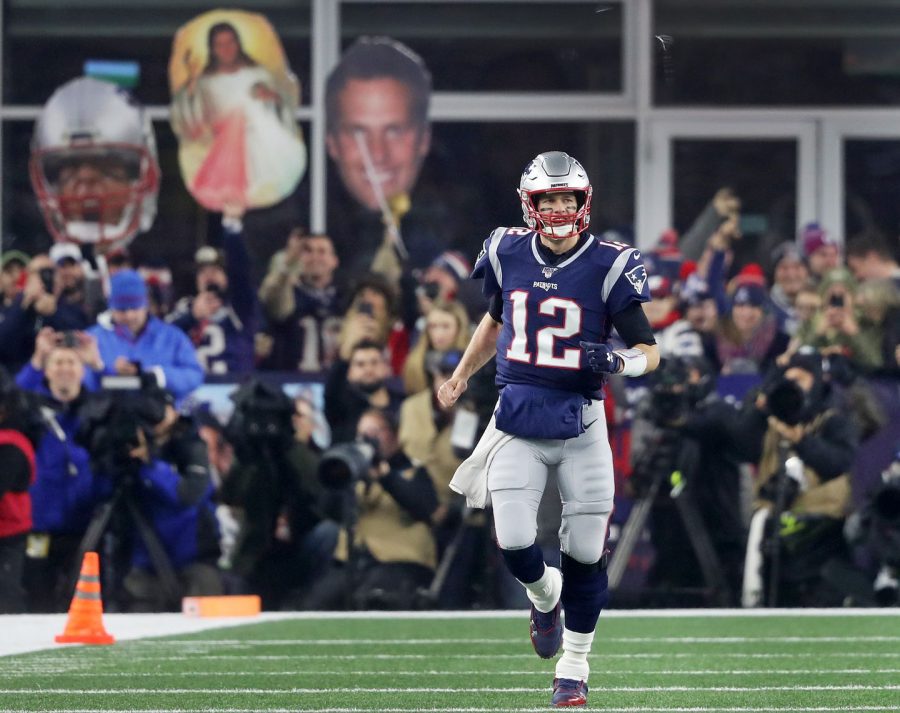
[(582, 535), (514, 524)]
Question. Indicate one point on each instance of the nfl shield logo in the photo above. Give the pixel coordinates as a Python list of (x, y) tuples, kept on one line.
[(548, 271)]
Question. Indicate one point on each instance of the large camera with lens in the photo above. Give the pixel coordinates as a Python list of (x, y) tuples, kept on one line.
[(344, 464), (111, 418), (676, 387), (262, 416), (786, 401)]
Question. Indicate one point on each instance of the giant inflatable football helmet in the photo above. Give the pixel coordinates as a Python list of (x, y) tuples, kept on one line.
[(93, 165), (553, 172)]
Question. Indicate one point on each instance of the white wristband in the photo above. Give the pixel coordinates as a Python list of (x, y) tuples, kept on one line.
[(634, 361)]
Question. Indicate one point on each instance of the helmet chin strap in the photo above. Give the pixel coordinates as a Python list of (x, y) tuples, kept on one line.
[(560, 232)]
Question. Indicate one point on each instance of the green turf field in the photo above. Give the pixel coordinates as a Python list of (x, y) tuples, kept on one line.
[(641, 663)]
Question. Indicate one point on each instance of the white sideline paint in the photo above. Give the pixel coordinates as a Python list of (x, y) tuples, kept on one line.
[(35, 632)]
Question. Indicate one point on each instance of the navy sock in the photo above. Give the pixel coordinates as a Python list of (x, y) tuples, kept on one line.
[(584, 593), (526, 565)]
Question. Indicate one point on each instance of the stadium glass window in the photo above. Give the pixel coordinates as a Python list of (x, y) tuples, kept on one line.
[(872, 184), (502, 46), (762, 172), (776, 53), (58, 38), (472, 173)]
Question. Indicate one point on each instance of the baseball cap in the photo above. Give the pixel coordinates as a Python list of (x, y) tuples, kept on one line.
[(14, 256), (65, 251), (208, 255), (127, 290)]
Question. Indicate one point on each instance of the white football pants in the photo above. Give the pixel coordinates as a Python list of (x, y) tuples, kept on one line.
[(517, 476)]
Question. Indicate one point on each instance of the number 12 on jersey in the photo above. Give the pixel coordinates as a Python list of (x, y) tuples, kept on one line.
[(541, 352)]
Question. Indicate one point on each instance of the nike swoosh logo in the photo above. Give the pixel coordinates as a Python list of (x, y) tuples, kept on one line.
[(587, 426)]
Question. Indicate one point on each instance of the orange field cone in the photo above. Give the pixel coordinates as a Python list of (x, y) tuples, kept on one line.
[(85, 624)]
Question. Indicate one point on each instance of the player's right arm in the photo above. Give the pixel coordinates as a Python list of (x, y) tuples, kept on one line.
[(483, 344), (482, 347)]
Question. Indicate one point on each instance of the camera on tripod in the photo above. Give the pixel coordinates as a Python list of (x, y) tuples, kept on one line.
[(262, 417), (111, 418), (344, 464)]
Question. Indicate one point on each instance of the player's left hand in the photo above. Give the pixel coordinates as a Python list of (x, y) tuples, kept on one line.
[(601, 358)]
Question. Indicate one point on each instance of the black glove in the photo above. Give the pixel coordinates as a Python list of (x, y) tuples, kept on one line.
[(601, 358)]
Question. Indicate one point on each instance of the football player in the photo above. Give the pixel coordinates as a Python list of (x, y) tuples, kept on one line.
[(555, 293)]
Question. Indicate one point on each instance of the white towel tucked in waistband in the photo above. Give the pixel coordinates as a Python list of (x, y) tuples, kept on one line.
[(471, 478)]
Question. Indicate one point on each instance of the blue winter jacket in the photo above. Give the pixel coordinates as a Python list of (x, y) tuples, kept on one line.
[(160, 348), (66, 490), (187, 530)]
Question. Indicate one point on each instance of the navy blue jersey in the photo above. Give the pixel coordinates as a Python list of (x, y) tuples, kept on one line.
[(224, 344), (549, 309), (307, 341)]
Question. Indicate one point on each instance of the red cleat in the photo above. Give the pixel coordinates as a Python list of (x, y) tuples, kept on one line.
[(569, 692)]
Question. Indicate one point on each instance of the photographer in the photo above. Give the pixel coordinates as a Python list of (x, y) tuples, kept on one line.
[(393, 551), (19, 432), (172, 488), (221, 318), (804, 447), (284, 542), (687, 438)]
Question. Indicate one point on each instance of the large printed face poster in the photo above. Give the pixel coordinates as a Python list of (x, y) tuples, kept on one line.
[(234, 102)]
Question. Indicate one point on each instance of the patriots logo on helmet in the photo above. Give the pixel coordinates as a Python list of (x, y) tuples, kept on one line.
[(637, 276)]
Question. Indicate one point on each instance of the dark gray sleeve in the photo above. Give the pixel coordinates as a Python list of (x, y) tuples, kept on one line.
[(694, 240)]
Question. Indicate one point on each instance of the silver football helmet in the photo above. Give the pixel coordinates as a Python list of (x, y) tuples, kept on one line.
[(553, 172), (93, 164)]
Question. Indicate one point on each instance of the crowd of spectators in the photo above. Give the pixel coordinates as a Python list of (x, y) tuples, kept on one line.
[(240, 507)]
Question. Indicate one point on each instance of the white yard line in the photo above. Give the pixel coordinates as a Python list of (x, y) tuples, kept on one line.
[(256, 691), (31, 670)]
